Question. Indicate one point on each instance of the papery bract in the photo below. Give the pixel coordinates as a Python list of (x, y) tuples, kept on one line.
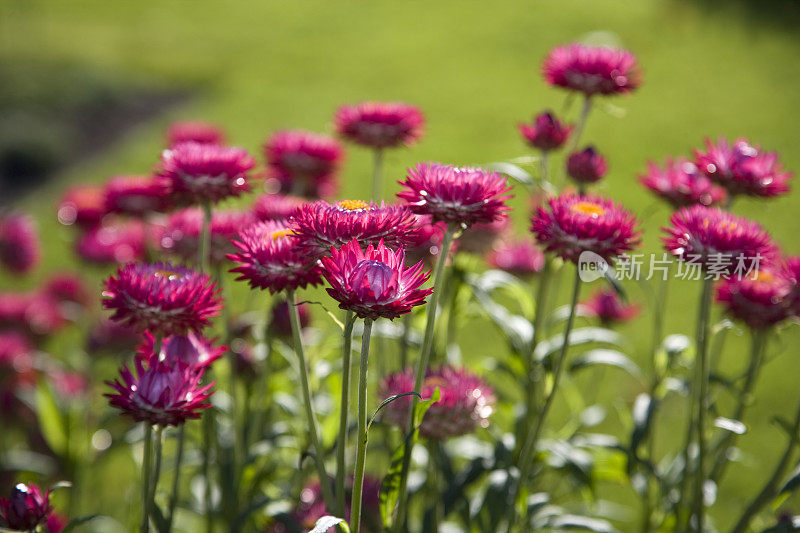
[(592, 69), (26, 507), (680, 183)]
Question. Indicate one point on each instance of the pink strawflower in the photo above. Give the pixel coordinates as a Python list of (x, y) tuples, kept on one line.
[(160, 392), (26, 508), (586, 166), (319, 225), (67, 288), (681, 184), (546, 132), (380, 124), (16, 362), (192, 349), (304, 163), (55, 523), (276, 206), (427, 243), (83, 205), (194, 131), (571, 224), (761, 299), (280, 325), (135, 195), (591, 69), (19, 243), (375, 282), (607, 306), (519, 257), (716, 239), (195, 173), (269, 258), (454, 195), (113, 242), (792, 271), (466, 402), (180, 234), (480, 238), (36, 314), (743, 168), (162, 298), (112, 337)]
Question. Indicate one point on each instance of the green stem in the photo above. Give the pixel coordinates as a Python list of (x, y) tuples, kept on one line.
[(404, 340), (341, 443), (158, 442), (319, 452), (377, 175), (422, 366), (744, 398), (205, 239), (581, 124), (702, 400), (538, 324), (543, 165), (208, 435), (529, 449), (770, 490), (434, 491), (361, 453), (147, 461), (176, 480)]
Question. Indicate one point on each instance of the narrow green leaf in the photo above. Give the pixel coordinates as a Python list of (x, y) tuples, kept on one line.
[(390, 487), (51, 420), (386, 402), (329, 313), (606, 357), (327, 522), (75, 522), (792, 483)]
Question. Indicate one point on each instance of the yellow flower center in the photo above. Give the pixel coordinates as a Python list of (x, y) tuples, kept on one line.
[(167, 274), (354, 205), (588, 208), (279, 234), (763, 276), (434, 381)]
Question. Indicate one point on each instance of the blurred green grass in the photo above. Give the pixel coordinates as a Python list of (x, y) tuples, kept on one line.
[(473, 67)]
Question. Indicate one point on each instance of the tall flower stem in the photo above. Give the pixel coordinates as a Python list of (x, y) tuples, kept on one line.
[(581, 124), (701, 375), (361, 453), (422, 365), (176, 480), (205, 239), (405, 340), (341, 443), (529, 449), (544, 160), (770, 490), (158, 443), (319, 452), (757, 346), (538, 324), (377, 175), (147, 463)]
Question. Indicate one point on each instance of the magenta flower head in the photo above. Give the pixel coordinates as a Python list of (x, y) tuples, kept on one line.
[(570, 225), (195, 173), (135, 195), (743, 168), (83, 205), (761, 299), (304, 163), (591, 69), (466, 402), (607, 306), (380, 124), (111, 243), (160, 392), (427, 244), (181, 232), (586, 166), (269, 258), (463, 196), (319, 225), (25, 508), (521, 258), (681, 184), (546, 132), (162, 298), (276, 206), (19, 243), (374, 283), (192, 349), (716, 239), (194, 131)]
